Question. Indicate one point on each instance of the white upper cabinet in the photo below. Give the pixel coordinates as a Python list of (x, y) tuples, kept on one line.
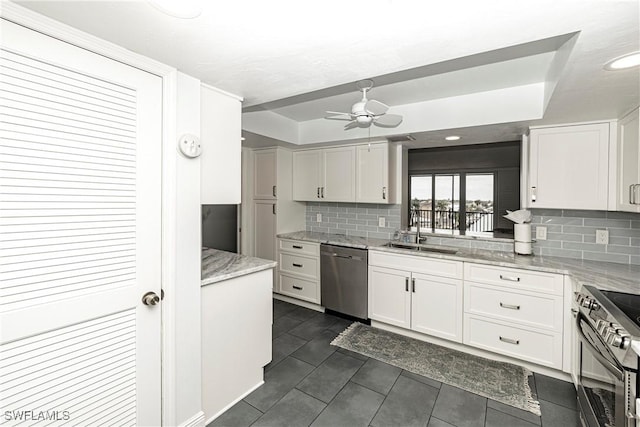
[(628, 194), (220, 128), (375, 173), (307, 175), (339, 174), (326, 175), (569, 167), (265, 174)]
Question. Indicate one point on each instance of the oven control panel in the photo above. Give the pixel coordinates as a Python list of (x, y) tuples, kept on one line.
[(610, 332)]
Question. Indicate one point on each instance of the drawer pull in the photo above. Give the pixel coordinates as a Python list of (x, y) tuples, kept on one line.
[(510, 340), (299, 288), (510, 306), (297, 265), (297, 247), (509, 278)]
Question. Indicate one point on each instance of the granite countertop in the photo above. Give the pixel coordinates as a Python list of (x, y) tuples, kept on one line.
[(220, 265), (602, 275)]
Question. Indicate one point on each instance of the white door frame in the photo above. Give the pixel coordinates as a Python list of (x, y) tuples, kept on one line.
[(50, 27)]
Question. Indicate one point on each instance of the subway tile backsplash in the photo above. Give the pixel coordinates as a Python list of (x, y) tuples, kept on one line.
[(353, 219), (572, 234)]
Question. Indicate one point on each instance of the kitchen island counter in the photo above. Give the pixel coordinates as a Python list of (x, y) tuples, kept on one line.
[(219, 265)]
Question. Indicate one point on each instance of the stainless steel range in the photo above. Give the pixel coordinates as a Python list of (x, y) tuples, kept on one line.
[(608, 324)]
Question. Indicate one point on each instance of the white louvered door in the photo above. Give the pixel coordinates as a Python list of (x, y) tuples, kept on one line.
[(80, 235)]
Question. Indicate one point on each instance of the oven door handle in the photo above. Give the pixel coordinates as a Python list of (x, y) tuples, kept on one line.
[(610, 366)]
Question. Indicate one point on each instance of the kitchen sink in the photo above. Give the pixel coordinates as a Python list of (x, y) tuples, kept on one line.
[(422, 248)]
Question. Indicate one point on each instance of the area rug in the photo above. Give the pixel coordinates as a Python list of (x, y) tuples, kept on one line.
[(504, 382)]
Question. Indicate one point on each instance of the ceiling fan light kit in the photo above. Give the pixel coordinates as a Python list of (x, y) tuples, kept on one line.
[(367, 111)]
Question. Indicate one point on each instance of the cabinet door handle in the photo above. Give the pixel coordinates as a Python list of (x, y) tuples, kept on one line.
[(509, 278), (273, 208), (299, 288), (574, 312), (274, 191), (406, 284), (632, 194), (322, 192), (384, 193), (297, 247), (413, 285), (534, 194), (297, 265), (318, 192), (510, 306), (510, 340)]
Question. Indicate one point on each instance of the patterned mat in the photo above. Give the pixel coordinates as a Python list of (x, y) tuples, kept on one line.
[(504, 382)]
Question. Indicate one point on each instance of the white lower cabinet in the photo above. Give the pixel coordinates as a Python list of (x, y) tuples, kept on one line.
[(426, 303), (518, 313), (299, 270)]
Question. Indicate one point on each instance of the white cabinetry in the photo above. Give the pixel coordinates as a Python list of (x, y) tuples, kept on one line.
[(515, 312), (628, 194), (569, 167), (324, 175), (299, 270), (417, 293), (220, 170), (273, 211), (375, 169)]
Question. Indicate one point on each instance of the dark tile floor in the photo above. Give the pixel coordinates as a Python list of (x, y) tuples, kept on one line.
[(311, 383)]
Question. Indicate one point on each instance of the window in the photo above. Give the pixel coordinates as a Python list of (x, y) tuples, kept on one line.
[(464, 190)]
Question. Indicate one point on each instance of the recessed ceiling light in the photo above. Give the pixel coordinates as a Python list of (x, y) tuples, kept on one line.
[(452, 138), (623, 62), (184, 9)]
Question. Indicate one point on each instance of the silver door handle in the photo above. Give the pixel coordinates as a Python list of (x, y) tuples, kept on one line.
[(322, 192), (510, 306), (413, 285), (274, 191), (509, 278), (384, 193), (342, 256), (510, 340), (318, 193), (534, 194), (150, 298)]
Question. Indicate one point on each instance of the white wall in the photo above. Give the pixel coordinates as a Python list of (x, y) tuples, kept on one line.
[(187, 255)]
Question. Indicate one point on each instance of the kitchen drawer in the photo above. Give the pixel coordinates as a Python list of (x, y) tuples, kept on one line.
[(418, 264), (301, 247), (515, 278), (299, 265), (299, 288), (538, 310), (541, 347)]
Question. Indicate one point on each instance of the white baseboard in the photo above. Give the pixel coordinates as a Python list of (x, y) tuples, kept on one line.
[(301, 303), (226, 408), (555, 373), (196, 421)]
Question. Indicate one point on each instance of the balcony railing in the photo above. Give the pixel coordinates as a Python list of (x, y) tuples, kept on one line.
[(450, 220)]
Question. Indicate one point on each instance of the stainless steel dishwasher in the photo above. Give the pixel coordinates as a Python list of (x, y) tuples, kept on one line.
[(343, 280)]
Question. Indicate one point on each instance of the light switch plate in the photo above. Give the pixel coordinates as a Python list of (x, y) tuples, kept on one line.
[(319, 217), (381, 221), (602, 237), (541, 233)]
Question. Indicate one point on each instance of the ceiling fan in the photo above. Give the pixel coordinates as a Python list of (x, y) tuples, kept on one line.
[(367, 111)]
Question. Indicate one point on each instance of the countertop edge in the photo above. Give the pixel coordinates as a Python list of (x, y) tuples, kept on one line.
[(244, 272)]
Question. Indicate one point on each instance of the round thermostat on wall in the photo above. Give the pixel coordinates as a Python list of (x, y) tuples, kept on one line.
[(189, 146)]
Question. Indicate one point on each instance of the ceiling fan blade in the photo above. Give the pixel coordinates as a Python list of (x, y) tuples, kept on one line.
[(351, 125), (375, 108), (388, 120), (338, 113), (343, 118)]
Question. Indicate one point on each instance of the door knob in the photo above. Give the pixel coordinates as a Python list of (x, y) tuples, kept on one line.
[(150, 298)]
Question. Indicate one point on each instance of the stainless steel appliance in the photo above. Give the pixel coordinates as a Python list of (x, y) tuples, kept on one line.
[(343, 280), (608, 323)]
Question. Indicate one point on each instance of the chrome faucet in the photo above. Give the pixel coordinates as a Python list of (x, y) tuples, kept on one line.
[(418, 238)]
